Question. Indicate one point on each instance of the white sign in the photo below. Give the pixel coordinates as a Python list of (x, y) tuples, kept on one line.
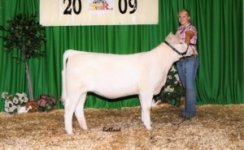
[(98, 12)]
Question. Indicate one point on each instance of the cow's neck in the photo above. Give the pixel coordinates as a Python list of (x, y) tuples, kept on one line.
[(165, 54)]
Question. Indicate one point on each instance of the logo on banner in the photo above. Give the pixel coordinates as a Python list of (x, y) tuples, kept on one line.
[(101, 5)]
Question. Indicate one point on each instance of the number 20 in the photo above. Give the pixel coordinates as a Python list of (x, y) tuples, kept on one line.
[(68, 10)]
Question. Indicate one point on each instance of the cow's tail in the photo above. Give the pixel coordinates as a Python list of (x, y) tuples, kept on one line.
[(66, 56)]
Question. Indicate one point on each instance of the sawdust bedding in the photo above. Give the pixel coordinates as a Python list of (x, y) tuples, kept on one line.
[(214, 127)]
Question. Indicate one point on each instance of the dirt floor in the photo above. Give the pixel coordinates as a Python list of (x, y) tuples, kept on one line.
[(215, 127)]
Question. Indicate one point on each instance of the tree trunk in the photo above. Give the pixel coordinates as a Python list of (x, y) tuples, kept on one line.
[(28, 79)]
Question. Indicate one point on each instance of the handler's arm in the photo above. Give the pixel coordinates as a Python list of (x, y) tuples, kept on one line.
[(189, 35)]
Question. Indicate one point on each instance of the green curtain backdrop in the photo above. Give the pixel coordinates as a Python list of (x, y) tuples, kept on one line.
[(219, 23)]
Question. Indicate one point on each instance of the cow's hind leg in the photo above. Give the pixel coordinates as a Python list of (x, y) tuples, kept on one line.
[(79, 112), (69, 108), (146, 100)]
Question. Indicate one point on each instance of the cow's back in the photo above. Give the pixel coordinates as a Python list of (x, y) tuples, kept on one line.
[(108, 75)]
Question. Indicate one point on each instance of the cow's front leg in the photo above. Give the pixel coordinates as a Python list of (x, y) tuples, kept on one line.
[(79, 112), (146, 100)]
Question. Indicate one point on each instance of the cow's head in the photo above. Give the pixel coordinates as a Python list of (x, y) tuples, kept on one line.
[(172, 39), (181, 48)]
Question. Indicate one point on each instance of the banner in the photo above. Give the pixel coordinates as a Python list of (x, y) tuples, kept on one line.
[(98, 12)]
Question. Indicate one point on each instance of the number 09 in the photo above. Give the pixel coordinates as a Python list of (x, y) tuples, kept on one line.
[(123, 4)]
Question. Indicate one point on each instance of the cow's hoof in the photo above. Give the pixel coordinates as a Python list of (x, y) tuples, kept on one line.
[(84, 128), (148, 127), (69, 132)]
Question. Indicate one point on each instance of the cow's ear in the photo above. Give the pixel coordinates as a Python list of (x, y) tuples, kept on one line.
[(177, 35), (170, 37), (171, 34)]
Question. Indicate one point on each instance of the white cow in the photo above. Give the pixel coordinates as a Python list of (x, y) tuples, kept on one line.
[(114, 76)]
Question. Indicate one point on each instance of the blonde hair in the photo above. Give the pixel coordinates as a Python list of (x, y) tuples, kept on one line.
[(185, 10)]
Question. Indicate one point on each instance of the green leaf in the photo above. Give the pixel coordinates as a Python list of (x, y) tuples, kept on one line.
[(2, 28), (25, 34)]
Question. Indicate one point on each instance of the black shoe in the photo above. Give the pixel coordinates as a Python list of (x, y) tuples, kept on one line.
[(188, 115)]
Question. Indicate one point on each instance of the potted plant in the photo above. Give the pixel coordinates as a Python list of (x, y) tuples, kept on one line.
[(25, 34), (172, 92), (15, 103), (46, 103)]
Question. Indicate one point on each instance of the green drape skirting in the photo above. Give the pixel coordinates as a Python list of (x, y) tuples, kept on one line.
[(220, 77)]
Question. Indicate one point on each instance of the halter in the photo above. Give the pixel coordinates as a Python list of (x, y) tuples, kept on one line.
[(175, 50)]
